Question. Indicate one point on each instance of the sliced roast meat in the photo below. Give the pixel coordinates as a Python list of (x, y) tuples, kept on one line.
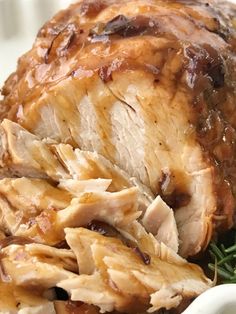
[(35, 209), (76, 187), (119, 279), (23, 199), (24, 154), (150, 86), (159, 220), (40, 268), (46, 225)]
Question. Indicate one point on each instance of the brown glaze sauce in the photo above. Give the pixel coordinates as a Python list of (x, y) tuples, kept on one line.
[(207, 72), (144, 256), (80, 308), (95, 171), (109, 231), (173, 192), (61, 43), (64, 37), (92, 8), (14, 240), (127, 27)]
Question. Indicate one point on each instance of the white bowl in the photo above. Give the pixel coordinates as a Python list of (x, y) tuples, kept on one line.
[(19, 22)]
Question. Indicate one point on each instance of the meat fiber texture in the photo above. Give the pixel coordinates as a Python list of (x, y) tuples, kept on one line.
[(150, 86), (120, 119), (71, 219)]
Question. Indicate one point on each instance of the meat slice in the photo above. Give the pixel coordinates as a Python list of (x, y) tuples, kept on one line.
[(118, 209), (29, 271), (17, 301), (123, 280), (150, 86), (159, 220), (24, 154), (42, 268), (76, 187), (32, 208), (160, 280), (23, 199)]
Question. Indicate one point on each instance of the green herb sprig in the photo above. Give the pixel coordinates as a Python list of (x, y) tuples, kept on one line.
[(225, 262)]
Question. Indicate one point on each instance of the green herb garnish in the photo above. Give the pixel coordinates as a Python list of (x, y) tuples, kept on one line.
[(225, 262)]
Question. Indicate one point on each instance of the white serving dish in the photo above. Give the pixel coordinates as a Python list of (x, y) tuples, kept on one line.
[(19, 22), (218, 300)]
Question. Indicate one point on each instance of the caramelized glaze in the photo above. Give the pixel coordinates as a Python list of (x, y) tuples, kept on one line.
[(63, 43)]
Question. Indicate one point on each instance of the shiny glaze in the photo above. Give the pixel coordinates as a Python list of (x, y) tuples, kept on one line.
[(203, 32), (64, 42), (213, 95)]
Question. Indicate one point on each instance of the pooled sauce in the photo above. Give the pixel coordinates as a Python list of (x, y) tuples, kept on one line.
[(62, 245), (61, 294), (204, 64), (105, 74), (176, 199)]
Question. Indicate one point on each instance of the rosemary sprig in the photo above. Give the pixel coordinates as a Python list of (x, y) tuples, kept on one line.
[(225, 261)]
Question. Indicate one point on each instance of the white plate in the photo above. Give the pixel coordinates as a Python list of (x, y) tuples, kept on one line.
[(19, 22), (218, 300)]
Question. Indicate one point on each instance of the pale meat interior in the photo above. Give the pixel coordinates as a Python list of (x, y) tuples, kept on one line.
[(117, 157), (45, 244)]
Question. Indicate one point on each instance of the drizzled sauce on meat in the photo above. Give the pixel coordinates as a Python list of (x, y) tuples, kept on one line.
[(127, 27), (109, 231), (92, 8), (14, 240), (207, 77), (173, 192)]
